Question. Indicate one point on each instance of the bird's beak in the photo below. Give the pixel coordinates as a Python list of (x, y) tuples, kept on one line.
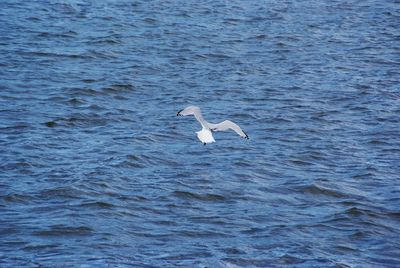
[(179, 113)]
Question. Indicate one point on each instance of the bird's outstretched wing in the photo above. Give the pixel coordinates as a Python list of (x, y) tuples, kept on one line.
[(193, 110), (227, 124)]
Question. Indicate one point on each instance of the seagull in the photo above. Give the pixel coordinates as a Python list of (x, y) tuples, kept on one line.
[(205, 134)]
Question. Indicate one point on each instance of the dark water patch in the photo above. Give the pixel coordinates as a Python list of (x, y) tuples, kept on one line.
[(188, 256), (242, 164), (166, 223), (378, 142), (299, 162), (20, 166), (357, 212), (200, 197), (11, 231), (105, 41), (76, 102), (89, 81), (55, 56), (289, 260), (64, 230), (363, 175), (233, 251), (87, 120), (253, 231), (208, 220), (51, 124), (241, 262), (395, 214), (348, 203), (119, 88), (142, 161), (96, 107), (201, 234), (131, 164), (345, 249), (359, 235), (219, 56), (319, 190), (121, 98), (59, 192), (84, 91), (98, 204), (40, 247), (55, 35), (18, 198), (17, 127)]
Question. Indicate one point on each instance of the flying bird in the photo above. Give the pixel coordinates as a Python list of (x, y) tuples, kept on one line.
[(205, 134)]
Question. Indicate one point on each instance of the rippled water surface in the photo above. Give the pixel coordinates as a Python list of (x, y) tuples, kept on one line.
[(97, 170)]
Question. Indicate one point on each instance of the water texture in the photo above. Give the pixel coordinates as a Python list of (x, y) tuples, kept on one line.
[(97, 170)]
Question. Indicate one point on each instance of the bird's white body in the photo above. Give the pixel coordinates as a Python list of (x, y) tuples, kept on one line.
[(205, 134)]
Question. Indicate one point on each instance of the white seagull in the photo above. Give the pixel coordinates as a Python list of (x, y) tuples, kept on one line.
[(205, 134)]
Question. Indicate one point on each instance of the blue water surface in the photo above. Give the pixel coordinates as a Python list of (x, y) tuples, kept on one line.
[(96, 169)]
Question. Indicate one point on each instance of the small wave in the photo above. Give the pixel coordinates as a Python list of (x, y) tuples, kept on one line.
[(50, 124), (200, 234), (204, 197), (378, 142), (105, 41), (165, 223), (89, 81), (363, 175), (216, 56), (47, 35), (299, 162), (208, 220), (62, 230), (116, 88), (259, 262), (37, 246), (53, 55), (355, 211), (345, 248), (319, 190), (78, 120), (76, 101), (59, 192), (85, 91), (17, 198), (185, 256), (14, 128), (97, 204), (130, 164)]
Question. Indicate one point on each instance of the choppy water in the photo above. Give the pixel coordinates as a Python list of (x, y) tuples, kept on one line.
[(97, 170)]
